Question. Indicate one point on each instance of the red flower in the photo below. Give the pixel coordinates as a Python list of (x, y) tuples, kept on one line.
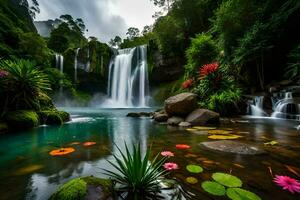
[(182, 146), (187, 84), (208, 69)]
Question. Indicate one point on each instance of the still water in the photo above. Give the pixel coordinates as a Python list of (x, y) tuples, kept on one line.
[(27, 171)]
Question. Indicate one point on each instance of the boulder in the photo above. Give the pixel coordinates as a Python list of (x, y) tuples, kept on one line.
[(174, 121), (181, 104), (160, 117), (185, 124), (233, 147), (203, 117), (139, 114), (53, 117), (88, 188), (22, 119)]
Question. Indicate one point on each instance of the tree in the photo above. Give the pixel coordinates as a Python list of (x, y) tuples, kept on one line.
[(80, 24), (164, 4), (116, 42), (132, 33), (147, 29)]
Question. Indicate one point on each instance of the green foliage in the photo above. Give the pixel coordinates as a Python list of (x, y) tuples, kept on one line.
[(132, 33), (203, 50), (293, 69), (21, 119), (73, 190), (23, 84), (135, 173), (57, 79), (69, 34), (53, 116)]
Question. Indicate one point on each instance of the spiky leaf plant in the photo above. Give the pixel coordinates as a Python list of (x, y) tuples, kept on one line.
[(135, 174), (23, 83)]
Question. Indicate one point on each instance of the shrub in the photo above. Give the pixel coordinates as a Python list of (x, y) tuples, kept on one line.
[(202, 50), (22, 84), (136, 175), (22, 119)]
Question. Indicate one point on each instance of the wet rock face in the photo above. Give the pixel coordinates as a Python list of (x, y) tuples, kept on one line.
[(203, 117), (181, 104), (233, 147)]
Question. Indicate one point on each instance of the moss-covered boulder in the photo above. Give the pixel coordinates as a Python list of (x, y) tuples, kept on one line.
[(88, 188), (3, 127), (53, 117), (22, 119)]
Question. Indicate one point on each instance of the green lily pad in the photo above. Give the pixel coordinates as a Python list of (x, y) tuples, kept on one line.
[(203, 128), (194, 169), (219, 132), (227, 180), (272, 143), (213, 188), (191, 180), (241, 194)]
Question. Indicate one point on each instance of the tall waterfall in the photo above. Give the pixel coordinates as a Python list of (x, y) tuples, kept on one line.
[(128, 84), (60, 65), (257, 107), (76, 64)]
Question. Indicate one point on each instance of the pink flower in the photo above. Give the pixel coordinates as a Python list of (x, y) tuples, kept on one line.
[(288, 183), (170, 166), (3, 73), (167, 153)]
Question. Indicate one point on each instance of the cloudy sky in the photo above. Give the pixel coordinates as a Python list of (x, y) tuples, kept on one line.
[(104, 18)]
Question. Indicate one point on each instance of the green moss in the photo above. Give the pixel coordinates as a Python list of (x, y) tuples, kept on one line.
[(77, 189), (73, 190), (22, 119), (51, 117)]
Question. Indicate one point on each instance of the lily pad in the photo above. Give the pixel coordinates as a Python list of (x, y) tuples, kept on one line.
[(191, 180), (213, 188), (227, 180), (219, 132), (224, 137), (241, 194), (194, 169), (203, 128), (272, 143), (191, 129)]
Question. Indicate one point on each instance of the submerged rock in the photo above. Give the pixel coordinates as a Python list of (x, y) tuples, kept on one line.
[(233, 147), (185, 124), (181, 104), (88, 188), (139, 114), (160, 117), (203, 117), (174, 121)]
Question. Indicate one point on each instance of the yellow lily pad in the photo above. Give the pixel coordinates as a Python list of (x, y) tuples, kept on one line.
[(272, 143), (191, 129), (219, 132), (224, 137), (29, 169), (191, 180), (203, 128)]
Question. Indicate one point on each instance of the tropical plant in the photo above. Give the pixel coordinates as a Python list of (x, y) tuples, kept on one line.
[(293, 69), (22, 84), (136, 175), (203, 50)]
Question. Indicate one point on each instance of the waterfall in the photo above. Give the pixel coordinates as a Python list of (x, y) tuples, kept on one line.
[(76, 64), (128, 84), (88, 64), (60, 65), (257, 107), (287, 108)]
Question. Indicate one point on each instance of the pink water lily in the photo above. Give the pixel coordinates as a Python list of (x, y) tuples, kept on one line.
[(167, 153), (288, 183), (170, 166)]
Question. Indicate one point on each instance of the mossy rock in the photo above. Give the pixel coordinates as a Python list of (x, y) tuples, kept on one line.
[(88, 188), (3, 127), (53, 117), (22, 119)]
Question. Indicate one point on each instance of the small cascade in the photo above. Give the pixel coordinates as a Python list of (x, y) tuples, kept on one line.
[(60, 65), (76, 64), (257, 107), (287, 108), (128, 84)]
